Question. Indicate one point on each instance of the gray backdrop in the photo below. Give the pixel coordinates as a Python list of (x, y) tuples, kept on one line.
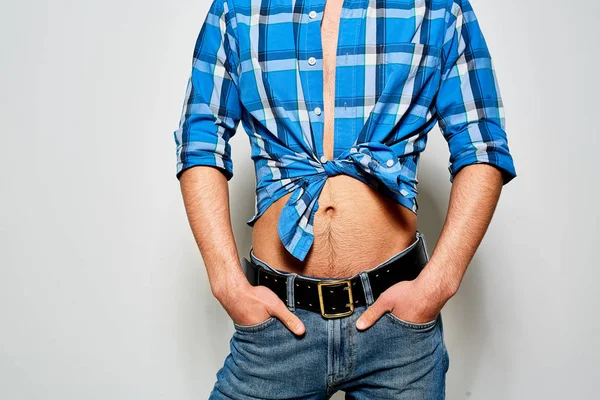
[(103, 292)]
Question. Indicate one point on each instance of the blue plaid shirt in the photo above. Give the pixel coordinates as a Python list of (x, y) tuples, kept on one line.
[(402, 66)]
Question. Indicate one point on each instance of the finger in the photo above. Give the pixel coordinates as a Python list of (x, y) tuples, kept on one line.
[(373, 313), (288, 318)]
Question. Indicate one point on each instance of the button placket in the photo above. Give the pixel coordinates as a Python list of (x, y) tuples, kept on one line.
[(308, 39)]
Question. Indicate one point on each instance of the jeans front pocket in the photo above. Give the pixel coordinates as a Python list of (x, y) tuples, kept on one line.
[(255, 327), (425, 326)]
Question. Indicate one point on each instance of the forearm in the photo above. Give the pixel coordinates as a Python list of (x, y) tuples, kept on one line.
[(205, 193), (473, 199)]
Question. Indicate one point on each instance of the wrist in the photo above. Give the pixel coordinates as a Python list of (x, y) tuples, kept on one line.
[(435, 287), (229, 286)]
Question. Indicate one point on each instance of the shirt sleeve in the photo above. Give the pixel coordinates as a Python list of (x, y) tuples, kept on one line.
[(211, 110), (468, 105)]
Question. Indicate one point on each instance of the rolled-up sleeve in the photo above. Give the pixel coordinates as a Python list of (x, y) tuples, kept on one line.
[(468, 105), (211, 110)]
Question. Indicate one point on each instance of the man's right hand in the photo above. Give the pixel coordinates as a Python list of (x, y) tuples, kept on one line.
[(249, 305)]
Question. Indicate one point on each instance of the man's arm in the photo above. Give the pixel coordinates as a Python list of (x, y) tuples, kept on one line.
[(205, 194), (210, 117), (211, 114), (471, 117), (473, 199)]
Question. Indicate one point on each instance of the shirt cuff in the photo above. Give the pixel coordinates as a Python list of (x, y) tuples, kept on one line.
[(222, 163), (494, 151)]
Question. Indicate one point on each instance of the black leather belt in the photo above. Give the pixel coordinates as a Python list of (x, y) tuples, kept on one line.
[(337, 298)]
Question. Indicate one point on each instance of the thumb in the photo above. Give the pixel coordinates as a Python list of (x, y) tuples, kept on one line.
[(372, 314), (289, 319)]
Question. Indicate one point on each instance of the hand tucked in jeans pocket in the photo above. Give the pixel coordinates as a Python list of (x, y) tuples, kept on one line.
[(250, 305), (418, 302)]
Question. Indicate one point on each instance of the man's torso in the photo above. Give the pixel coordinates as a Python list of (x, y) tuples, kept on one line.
[(355, 227)]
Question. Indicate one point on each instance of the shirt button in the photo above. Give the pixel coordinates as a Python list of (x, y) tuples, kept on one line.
[(324, 159), (312, 61), (312, 14), (353, 150), (317, 111), (389, 163)]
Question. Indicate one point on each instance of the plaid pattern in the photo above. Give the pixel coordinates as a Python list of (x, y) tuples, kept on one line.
[(402, 66)]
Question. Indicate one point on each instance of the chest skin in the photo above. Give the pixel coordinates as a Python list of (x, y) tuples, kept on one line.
[(329, 40)]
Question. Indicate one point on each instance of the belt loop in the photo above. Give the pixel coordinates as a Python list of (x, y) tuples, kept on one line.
[(424, 245), (290, 292), (258, 269), (364, 277)]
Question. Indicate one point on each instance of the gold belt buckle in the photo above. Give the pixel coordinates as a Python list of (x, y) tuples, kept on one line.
[(320, 285)]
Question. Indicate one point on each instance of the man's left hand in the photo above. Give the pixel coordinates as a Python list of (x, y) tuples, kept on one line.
[(418, 301)]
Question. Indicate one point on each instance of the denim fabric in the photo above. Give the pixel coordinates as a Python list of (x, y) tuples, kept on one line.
[(393, 359)]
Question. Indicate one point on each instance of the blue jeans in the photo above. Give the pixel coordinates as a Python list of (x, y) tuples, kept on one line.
[(393, 359)]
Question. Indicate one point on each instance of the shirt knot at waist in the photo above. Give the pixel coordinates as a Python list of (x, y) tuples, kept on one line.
[(371, 162), (333, 168)]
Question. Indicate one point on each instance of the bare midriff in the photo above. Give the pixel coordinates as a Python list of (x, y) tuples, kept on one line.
[(355, 227)]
